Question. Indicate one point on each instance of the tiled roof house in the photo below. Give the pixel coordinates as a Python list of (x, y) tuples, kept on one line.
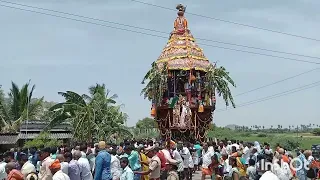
[(30, 130)]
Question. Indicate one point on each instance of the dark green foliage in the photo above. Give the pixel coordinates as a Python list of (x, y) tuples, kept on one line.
[(43, 140), (246, 134), (262, 135), (18, 106), (146, 123), (316, 131), (287, 143)]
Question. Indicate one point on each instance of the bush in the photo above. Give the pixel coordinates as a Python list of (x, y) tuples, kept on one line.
[(221, 133), (262, 135), (43, 140), (246, 134), (316, 131), (287, 143)]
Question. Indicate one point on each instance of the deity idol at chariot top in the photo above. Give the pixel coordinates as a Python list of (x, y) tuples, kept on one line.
[(181, 51), (181, 23)]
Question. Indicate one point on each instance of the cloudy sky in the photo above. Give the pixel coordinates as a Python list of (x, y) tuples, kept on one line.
[(60, 54)]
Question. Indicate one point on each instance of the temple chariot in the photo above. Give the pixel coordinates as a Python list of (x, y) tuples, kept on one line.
[(182, 86)]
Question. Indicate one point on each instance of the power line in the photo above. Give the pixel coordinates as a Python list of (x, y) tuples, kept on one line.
[(139, 32), (230, 22), (277, 82), (154, 35), (163, 37), (157, 31), (284, 93)]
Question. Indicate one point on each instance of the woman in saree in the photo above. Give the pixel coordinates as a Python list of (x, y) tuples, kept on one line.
[(144, 162), (234, 172), (241, 163), (216, 168)]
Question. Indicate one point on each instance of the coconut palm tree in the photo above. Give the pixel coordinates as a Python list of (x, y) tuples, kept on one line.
[(91, 116), (218, 80), (18, 107), (100, 89)]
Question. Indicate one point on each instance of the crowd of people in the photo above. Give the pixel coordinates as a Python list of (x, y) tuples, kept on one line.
[(153, 160)]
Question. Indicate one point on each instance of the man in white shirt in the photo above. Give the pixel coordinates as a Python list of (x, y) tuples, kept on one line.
[(229, 148), (27, 167), (83, 150), (222, 148), (226, 167), (241, 145), (246, 151), (206, 161), (64, 165), (176, 156), (267, 149), (234, 143), (210, 146), (55, 168), (115, 167), (126, 173), (84, 166), (186, 155), (46, 161)]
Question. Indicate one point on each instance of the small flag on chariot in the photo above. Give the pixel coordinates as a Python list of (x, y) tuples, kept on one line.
[(173, 101)]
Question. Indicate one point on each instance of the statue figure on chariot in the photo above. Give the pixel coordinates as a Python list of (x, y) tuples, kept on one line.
[(183, 84), (181, 23)]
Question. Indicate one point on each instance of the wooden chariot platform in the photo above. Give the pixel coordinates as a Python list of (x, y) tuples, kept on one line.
[(194, 129)]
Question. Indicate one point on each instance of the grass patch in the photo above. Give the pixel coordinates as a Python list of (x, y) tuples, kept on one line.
[(306, 140)]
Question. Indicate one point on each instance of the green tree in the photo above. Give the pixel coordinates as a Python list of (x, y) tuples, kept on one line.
[(316, 131), (18, 107), (146, 123), (93, 116)]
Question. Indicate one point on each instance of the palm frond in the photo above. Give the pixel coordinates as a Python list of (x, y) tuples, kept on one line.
[(14, 96), (24, 97), (150, 72), (31, 92), (73, 97), (57, 118), (4, 111), (218, 80), (35, 108), (56, 107), (98, 88), (157, 81)]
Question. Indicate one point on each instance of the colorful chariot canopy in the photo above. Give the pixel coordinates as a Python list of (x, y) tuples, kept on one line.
[(181, 51)]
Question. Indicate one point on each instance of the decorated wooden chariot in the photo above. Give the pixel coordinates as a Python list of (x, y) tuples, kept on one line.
[(180, 86)]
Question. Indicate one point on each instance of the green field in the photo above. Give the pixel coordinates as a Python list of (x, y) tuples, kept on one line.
[(303, 140), (306, 140)]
